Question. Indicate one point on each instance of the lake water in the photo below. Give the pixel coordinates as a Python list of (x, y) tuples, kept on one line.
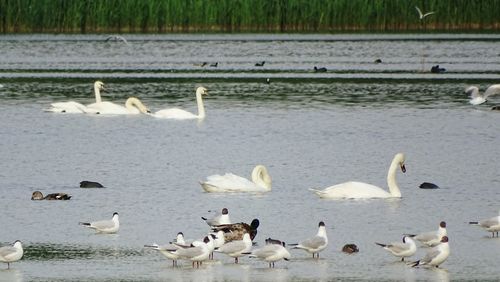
[(311, 130)]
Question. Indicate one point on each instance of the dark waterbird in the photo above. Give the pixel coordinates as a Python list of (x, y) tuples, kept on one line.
[(350, 248), (90, 184), (260, 64), (428, 185), (322, 69), (377, 61), (37, 195), (235, 231), (214, 65), (437, 69)]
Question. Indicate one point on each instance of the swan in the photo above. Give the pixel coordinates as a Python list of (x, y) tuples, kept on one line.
[(360, 190), (477, 98), (133, 106), (73, 107), (261, 182), (176, 113)]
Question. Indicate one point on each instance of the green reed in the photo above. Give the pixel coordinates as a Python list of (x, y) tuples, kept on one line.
[(246, 15)]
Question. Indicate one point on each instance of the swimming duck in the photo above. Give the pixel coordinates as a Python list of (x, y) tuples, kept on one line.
[(316, 69), (90, 184), (437, 69), (350, 248), (37, 195), (236, 231)]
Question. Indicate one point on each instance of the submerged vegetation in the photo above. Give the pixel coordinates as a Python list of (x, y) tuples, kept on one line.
[(94, 16)]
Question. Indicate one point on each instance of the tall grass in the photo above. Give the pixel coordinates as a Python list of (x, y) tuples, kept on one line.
[(245, 15)]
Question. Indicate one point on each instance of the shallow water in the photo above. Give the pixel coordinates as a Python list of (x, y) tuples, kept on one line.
[(311, 131)]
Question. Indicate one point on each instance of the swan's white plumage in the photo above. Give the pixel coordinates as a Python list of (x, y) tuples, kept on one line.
[(176, 113), (73, 107), (133, 106), (261, 182), (477, 98), (361, 190)]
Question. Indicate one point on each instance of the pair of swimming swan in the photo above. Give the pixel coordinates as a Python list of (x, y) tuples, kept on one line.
[(132, 106)]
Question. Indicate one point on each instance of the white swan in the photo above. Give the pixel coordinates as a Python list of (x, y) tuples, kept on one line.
[(360, 190), (261, 182), (477, 98), (176, 113), (75, 107), (133, 106)]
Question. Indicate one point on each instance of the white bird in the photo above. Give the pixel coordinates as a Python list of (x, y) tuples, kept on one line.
[(271, 253), (164, 249), (10, 254), (236, 248), (219, 241), (133, 106), (360, 190), (431, 238), (104, 226), (406, 249), (176, 113), (198, 252), (315, 244), (74, 107), (477, 98), (491, 224), (219, 219), (436, 255), (261, 182), (421, 15)]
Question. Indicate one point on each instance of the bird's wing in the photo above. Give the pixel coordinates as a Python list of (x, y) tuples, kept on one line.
[(489, 222), (419, 12), (7, 250), (398, 247), (103, 224), (494, 89), (314, 242), (427, 14), (430, 256)]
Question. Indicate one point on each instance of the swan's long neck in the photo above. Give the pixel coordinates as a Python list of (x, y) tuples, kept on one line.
[(261, 177), (97, 93), (201, 107), (391, 179), (133, 103)]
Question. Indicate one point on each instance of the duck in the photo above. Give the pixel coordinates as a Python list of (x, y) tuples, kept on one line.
[(133, 106), (260, 64), (490, 224), (360, 190), (477, 98), (37, 195), (350, 248), (322, 69), (179, 114), (214, 65), (219, 219), (431, 238), (437, 69), (435, 256), (406, 249), (314, 245), (261, 182), (235, 231), (72, 107), (90, 184), (9, 254), (271, 253), (237, 248), (428, 185), (104, 226)]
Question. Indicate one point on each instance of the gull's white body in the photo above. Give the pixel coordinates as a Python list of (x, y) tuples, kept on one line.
[(360, 190), (73, 107), (237, 248), (105, 226), (431, 238), (219, 219), (10, 254), (133, 106), (477, 98), (261, 182), (404, 249), (199, 252), (166, 249), (491, 224), (315, 244), (436, 255), (271, 253), (176, 113)]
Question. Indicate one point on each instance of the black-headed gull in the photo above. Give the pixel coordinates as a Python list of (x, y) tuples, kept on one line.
[(271, 253), (406, 249), (436, 255), (104, 226), (219, 219), (198, 252), (431, 238), (491, 224), (315, 244), (164, 249), (12, 253), (236, 248)]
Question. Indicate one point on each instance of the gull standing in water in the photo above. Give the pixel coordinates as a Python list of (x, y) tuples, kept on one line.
[(315, 244), (436, 255), (219, 219), (104, 226), (237, 248), (431, 238), (10, 254), (271, 253), (164, 249), (491, 224), (406, 249), (198, 252)]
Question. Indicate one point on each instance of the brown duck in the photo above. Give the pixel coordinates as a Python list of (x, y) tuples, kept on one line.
[(37, 195), (235, 231)]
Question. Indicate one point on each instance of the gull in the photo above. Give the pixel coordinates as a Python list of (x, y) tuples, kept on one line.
[(104, 226), (164, 249), (197, 252), (436, 255), (219, 219), (477, 98), (117, 38), (421, 15), (219, 240), (402, 250), (271, 253), (315, 244), (237, 248), (491, 224), (10, 254), (431, 238)]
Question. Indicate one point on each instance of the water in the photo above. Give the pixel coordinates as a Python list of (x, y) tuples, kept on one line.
[(309, 129)]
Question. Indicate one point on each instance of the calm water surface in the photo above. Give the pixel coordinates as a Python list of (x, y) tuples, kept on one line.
[(311, 131)]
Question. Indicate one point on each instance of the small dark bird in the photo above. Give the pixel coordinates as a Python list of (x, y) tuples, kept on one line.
[(495, 108), (428, 185), (90, 184), (201, 64), (437, 69), (377, 61), (235, 231), (260, 64), (316, 69), (350, 248), (37, 195), (214, 65)]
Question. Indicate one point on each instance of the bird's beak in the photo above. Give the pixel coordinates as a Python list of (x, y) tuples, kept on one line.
[(403, 168)]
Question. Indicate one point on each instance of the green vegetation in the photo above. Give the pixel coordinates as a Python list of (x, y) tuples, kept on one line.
[(94, 16)]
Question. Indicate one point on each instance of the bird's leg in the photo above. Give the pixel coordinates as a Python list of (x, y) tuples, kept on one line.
[(269, 265), (402, 259), (236, 260)]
